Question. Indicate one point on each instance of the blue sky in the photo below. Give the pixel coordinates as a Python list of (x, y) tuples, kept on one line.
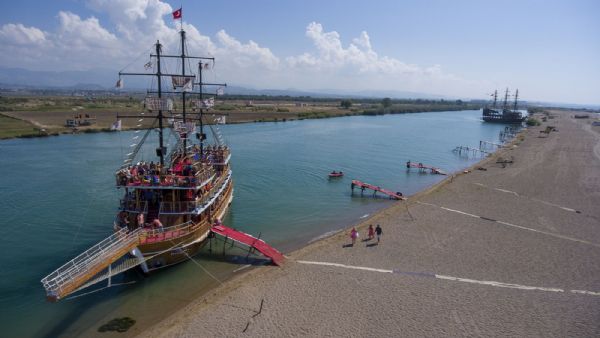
[(548, 49)]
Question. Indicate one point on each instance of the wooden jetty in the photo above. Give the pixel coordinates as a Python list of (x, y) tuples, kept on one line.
[(484, 144), (363, 186), (466, 150), (508, 133), (424, 167)]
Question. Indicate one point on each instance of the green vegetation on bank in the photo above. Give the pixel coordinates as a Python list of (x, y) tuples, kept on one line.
[(23, 114), (532, 121), (11, 127)]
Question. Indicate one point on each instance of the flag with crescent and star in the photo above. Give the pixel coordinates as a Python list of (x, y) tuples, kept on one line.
[(177, 14)]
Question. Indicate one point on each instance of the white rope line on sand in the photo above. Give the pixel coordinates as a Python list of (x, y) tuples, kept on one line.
[(452, 278), (531, 198), (514, 225)]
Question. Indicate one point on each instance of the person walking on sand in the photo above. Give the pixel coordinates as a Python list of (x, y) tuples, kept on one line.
[(371, 233), (379, 232), (353, 235)]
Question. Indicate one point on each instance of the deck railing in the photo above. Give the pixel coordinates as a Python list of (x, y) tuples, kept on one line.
[(189, 225), (133, 206), (214, 189), (165, 180), (177, 208), (89, 259)]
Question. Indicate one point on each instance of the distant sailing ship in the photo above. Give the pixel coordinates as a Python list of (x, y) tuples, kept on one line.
[(169, 207), (506, 115)]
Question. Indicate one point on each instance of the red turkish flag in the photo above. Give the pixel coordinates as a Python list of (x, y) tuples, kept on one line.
[(177, 14)]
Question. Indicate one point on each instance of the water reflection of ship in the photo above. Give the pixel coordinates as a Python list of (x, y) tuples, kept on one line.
[(493, 113)]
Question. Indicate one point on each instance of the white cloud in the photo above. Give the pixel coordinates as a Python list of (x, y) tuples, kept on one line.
[(136, 21), (358, 66), (134, 26), (246, 55), (359, 55), (17, 34), (76, 34)]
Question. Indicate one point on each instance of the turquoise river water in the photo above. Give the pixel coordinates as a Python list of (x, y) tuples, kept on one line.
[(58, 198)]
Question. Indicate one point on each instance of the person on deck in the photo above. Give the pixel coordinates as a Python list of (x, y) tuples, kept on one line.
[(140, 220), (123, 221), (156, 224)]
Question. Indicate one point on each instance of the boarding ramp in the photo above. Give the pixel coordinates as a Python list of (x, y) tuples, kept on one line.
[(251, 241), (80, 270)]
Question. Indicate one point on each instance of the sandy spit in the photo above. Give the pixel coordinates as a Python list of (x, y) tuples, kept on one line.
[(506, 251)]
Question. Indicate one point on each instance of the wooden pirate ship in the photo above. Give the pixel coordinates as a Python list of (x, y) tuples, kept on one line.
[(169, 207)]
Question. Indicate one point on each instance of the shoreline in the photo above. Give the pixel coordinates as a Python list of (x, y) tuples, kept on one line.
[(241, 276), (203, 309), (295, 246), (40, 129)]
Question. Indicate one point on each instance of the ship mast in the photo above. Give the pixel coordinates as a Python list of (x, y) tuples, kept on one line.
[(201, 85), (161, 148), (505, 99), (495, 97), (161, 151), (516, 98), (183, 91), (202, 136)]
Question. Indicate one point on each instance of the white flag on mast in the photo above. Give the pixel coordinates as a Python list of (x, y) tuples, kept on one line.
[(116, 125)]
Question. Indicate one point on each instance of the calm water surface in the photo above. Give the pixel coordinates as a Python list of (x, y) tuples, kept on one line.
[(58, 199)]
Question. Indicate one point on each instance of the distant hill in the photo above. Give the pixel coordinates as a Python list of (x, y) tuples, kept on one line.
[(47, 79), (105, 79)]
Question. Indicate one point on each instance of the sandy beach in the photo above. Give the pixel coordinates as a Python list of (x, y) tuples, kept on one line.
[(512, 250)]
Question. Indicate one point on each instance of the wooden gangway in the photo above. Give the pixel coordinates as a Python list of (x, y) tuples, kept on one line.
[(268, 251), (376, 189), (78, 271), (94, 264), (422, 166)]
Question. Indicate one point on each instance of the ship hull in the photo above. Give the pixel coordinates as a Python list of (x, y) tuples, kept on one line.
[(506, 116), (167, 251)]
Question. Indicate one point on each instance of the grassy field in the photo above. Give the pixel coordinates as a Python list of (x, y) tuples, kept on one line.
[(24, 114), (11, 127)]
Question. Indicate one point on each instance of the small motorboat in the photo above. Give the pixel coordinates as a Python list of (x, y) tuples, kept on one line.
[(336, 174)]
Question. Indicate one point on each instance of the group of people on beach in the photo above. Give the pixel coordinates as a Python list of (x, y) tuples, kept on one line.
[(371, 232)]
